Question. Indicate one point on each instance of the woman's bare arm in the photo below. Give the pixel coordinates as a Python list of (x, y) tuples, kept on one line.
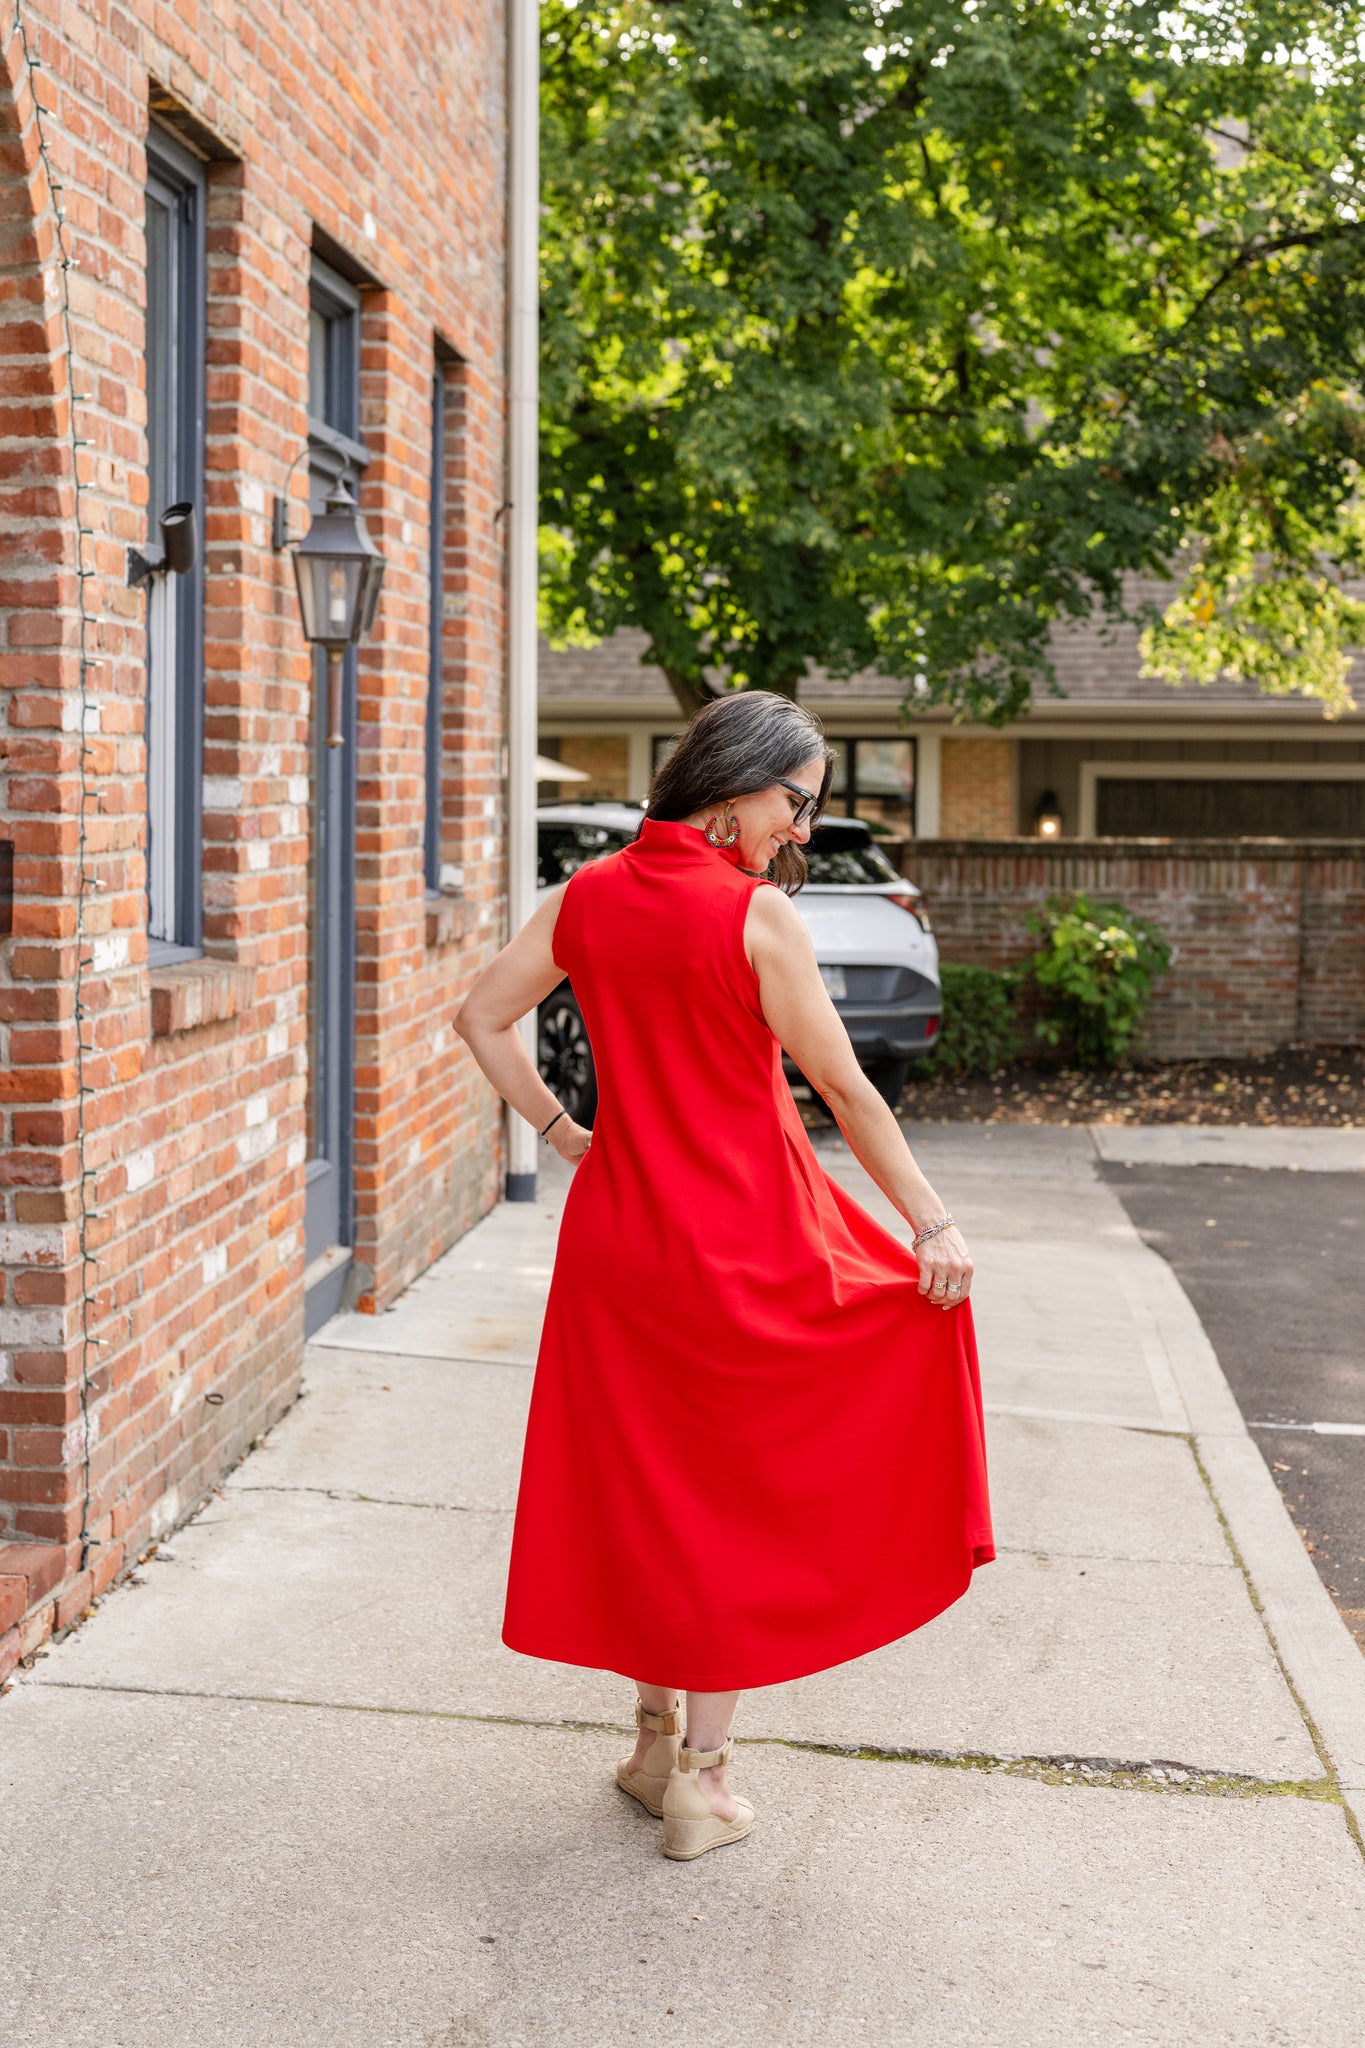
[(806, 1024), (518, 981)]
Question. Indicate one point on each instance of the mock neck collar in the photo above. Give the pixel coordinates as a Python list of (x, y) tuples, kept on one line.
[(668, 835)]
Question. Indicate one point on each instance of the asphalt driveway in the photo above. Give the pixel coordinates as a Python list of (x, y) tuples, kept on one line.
[(1274, 1262)]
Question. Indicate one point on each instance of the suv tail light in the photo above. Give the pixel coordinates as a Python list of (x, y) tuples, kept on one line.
[(915, 906)]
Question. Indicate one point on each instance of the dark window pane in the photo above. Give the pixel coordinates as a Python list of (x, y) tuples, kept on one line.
[(884, 778), (161, 240), (321, 398)]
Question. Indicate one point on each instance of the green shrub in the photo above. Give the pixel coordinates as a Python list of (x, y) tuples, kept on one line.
[(1094, 973), (980, 1032)]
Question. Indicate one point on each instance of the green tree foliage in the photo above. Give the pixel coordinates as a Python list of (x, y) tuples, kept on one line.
[(884, 333), (1094, 970)]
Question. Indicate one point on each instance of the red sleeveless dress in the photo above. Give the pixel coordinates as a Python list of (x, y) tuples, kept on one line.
[(753, 1450)]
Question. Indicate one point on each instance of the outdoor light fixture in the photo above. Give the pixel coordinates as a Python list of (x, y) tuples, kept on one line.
[(177, 550), (1047, 816), (339, 570)]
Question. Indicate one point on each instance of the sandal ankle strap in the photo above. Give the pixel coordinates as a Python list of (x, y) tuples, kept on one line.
[(705, 1759), (658, 1724)]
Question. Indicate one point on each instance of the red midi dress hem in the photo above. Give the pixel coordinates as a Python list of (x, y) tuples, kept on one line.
[(754, 1450), (729, 1678)]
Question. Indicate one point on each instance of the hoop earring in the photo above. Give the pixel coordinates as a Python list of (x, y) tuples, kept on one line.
[(725, 837)]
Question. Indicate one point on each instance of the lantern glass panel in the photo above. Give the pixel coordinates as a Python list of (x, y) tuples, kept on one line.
[(374, 577), (329, 593)]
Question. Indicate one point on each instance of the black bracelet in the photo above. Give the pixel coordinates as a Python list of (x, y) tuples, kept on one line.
[(553, 1121)]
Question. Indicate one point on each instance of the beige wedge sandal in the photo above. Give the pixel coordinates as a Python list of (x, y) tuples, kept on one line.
[(690, 1827), (648, 1783)]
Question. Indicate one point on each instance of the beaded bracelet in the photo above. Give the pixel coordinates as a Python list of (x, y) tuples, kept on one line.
[(932, 1230)]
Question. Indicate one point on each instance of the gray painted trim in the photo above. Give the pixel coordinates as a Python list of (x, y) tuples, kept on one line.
[(431, 829), (170, 164), (322, 1300)]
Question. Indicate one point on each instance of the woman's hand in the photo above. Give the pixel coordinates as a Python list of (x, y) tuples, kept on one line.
[(570, 1140), (945, 1269)]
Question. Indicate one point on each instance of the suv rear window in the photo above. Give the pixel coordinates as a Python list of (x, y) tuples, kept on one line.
[(564, 849), (843, 859)]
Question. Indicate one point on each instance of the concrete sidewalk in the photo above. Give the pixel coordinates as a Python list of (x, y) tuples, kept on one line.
[(290, 1788)]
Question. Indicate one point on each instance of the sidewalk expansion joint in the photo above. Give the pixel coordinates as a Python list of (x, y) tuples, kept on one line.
[(396, 1358), (376, 1500), (1253, 1594), (1208, 1564), (1156, 1775), (1159, 1775)]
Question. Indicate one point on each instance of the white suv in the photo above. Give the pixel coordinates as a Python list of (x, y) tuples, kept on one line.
[(871, 935)]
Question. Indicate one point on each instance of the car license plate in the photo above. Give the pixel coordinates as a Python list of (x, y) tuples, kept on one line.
[(835, 982)]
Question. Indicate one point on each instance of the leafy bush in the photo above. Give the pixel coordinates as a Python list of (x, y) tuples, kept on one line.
[(1094, 972), (980, 1032)]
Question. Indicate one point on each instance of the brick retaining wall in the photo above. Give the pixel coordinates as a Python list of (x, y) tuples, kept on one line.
[(1269, 933)]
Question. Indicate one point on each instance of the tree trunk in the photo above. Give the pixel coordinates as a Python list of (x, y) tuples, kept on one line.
[(691, 696)]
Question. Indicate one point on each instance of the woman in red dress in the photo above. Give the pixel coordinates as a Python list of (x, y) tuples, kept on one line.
[(755, 1443)]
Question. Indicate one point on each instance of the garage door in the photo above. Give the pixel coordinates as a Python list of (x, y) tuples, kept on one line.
[(1139, 808)]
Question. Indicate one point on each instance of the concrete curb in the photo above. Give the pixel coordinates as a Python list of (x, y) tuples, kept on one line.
[(1319, 1654), (1300, 1148)]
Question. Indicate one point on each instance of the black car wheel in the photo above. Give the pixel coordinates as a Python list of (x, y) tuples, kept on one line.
[(888, 1077), (564, 1055)]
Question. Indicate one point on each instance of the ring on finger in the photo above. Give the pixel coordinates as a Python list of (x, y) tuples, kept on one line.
[(954, 1287)]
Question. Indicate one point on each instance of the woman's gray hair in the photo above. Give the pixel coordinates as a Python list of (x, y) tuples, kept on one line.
[(739, 743)]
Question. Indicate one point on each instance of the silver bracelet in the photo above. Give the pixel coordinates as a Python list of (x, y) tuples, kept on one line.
[(931, 1230)]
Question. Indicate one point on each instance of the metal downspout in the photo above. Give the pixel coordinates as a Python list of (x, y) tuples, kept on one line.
[(523, 427)]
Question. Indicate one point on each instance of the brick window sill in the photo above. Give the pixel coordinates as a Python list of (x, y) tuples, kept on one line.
[(448, 918), (195, 992)]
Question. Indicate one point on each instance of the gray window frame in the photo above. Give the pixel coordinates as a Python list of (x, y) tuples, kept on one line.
[(431, 839), (849, 795), (176, 179), (334, 451)]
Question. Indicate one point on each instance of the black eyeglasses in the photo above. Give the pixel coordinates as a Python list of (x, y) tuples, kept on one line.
[(807, 806)]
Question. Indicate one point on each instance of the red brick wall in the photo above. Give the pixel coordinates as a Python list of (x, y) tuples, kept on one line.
[(605, 757), (1269, 935), (387, 135), (976, 787)]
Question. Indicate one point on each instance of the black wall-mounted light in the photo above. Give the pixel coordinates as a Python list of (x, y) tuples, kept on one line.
[(177, 552), (339, 571), (1047, 816)]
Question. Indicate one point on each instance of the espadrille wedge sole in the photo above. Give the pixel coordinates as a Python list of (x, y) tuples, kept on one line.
[(690, 1827)]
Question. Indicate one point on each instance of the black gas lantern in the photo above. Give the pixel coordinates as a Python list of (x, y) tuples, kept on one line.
[(339, 570)]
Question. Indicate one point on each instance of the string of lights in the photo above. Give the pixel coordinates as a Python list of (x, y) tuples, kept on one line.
[(85, 880)]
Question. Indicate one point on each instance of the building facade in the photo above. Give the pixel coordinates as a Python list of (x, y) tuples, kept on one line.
[(247, 255), (1115, 755), (1175, 802)]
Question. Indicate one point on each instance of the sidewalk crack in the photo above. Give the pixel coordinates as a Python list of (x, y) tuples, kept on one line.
[(1158, 1774), (1212, 1564), (377, 1500)]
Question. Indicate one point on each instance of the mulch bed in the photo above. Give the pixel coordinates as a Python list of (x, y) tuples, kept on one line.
[(1298, 1085)]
